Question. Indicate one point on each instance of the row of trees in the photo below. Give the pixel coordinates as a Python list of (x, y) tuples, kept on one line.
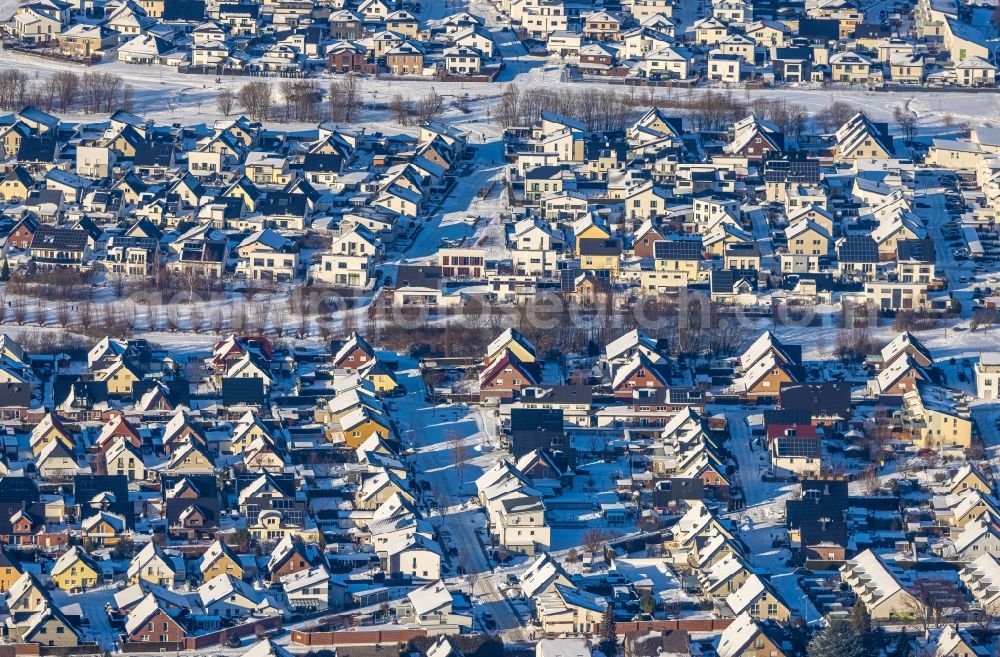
[(296, 100), (406, 111), (91, 92), (597, 109), (609, 109)]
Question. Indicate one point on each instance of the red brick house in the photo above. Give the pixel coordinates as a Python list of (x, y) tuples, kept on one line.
[(506, 377), (638, 372), (755, 139), (117, 427), (149, 623), (645, 238), (347, 57), (354, 354), (20, 237)]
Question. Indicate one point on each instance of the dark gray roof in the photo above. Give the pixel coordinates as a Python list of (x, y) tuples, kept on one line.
[(724, 280), (59, 238), (678, 250), (237, 391), (915, 250), (417, 276), (858, 248), (598, 246)]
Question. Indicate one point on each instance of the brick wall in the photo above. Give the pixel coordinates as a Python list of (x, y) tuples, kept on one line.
[(352, 637)]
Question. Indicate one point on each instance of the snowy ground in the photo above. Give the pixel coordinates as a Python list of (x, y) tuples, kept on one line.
[(164, 94), (429, 433)]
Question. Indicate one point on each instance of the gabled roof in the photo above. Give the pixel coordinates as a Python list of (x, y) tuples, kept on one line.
[(430, 597), (749, 592), (70, 558)]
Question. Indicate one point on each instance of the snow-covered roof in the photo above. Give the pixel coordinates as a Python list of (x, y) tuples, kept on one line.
[(430, 597)]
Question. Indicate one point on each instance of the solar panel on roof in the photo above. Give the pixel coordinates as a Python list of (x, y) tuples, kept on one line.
[(678, 250)]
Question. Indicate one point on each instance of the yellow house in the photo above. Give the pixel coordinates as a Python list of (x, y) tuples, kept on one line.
[(123, 142), (725, 576), (190, 458), (682, 257), (11, 138), (511, 340), (16, 185), (759, 599), (263, 455), (75, 571), (47, 627), (248, 429), (50, 428), (971, 507), (272, 527), (220, 559), (808, 238), (936, 416), (969, 477), (119, 377), (645, 202), (400, 200), (104, 528), (27, 595), (769, 34), (859, 138), (10, 571), (748, 637), (600, 255), (381, 377), (814, 213), (568, 610), (361, 424)]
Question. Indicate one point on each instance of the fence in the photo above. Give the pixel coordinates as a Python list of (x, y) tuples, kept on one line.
[(356, 637), (688, 624), (64, 651), (20, 650), (212, 639)]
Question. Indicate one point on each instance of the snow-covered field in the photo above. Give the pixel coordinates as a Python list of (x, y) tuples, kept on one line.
[(164, 94)]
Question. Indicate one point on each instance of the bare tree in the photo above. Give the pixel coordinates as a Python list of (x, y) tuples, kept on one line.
[(402, 109), (935, 601), (459, 456), (126, 98), (261, 315), (301, 99), (225, 100), (118, 283), (256, 98), (13, 88), (152, 317), (238, 317), (40, 311), (42, 94), (345, 98), (66, 85), (906, 120), (20, 311), (85, 315), (173, 318), (430, 106), (508, 111), (279, 320), (594, 540), (215, 320), (196, 318), (64, 314)]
